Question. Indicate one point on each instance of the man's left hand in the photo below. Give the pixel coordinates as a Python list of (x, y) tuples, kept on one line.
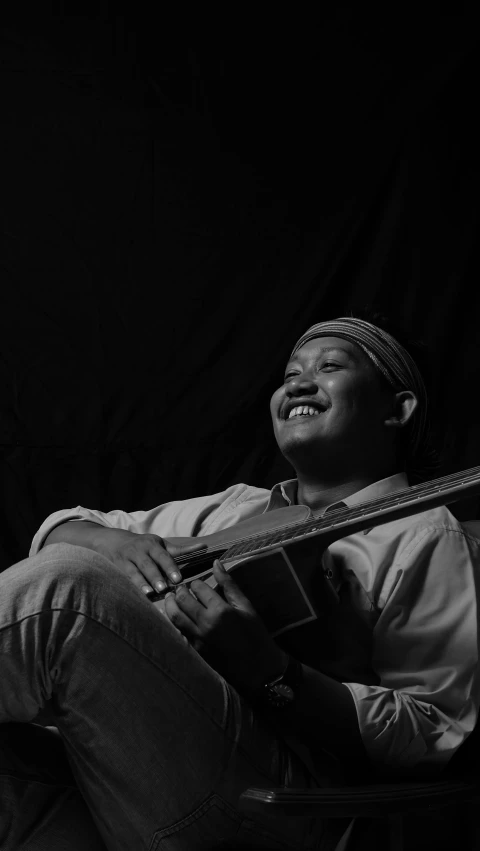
[(235, 639)]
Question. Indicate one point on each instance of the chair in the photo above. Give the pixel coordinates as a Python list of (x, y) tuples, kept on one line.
[(379, 811), (387, 816)]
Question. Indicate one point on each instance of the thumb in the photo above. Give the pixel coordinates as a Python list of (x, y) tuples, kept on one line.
[(232, 593)]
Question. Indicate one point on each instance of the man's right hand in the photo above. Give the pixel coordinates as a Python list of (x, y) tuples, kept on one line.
[(145, 559)]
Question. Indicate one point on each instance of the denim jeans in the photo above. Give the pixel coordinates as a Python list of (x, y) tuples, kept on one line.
[(154, 747)]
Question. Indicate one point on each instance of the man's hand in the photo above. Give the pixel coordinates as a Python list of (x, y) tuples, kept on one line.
[(227, 630), (146, 559)]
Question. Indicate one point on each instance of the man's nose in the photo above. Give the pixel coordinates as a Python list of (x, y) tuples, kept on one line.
[(302, 385)]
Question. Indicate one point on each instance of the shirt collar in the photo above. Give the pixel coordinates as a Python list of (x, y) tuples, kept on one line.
[(282, 494), (285, 493)]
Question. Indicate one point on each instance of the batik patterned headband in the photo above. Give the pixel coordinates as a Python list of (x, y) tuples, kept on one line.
[(390, 358)]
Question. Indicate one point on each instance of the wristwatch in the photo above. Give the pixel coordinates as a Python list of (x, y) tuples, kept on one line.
[(281, 692)]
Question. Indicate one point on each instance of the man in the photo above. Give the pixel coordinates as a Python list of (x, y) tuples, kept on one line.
[(161, 741)]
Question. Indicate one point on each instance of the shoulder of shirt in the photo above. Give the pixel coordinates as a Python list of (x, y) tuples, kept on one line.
[(408, 536), (438, 519), (227, 507), (214, 504), (410, 531), (231, 496), (239, 493)]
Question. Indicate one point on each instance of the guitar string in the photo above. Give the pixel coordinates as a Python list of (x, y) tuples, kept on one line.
[(244, 545), (335, 517), (289, 534)]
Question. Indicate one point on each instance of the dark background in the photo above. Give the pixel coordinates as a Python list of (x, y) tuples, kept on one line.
[(180, 199)]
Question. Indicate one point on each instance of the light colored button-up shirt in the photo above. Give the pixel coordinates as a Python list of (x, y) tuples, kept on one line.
[(412, 580)]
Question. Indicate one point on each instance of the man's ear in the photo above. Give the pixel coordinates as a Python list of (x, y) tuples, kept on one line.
[(405, 403)]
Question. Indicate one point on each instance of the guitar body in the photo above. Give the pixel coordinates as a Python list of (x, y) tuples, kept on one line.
[(339, 641), (327, 633), (286, 584), (276, 558)]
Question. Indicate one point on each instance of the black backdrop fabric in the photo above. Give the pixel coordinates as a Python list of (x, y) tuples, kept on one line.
[(178, 203)]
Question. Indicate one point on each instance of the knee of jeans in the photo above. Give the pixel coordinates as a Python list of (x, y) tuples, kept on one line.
[(66, 561)]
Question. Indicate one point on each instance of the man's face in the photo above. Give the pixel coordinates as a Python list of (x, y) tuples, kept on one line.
[(333, 400)]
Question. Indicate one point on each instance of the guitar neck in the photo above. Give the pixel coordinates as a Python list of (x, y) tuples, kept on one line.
[(340, 522)]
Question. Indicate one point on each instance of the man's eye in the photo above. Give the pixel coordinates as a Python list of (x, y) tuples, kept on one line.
[(330, 363), (289, 375)]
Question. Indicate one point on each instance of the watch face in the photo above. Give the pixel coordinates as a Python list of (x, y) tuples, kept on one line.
[(280, 694)]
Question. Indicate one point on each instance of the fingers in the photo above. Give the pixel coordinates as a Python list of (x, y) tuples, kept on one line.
[(156, 567), (231, 591), (146, 574), (130, 569), (205, 595), (198, 602), (146, 561), (175, 610), (150, 566), (159, 567)]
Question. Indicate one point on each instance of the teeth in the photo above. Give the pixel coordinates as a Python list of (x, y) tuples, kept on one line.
[(302, 411)]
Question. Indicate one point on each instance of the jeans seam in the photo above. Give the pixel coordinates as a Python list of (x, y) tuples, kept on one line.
[(212, 800), (233, 739), (242, 821), (94, 620)]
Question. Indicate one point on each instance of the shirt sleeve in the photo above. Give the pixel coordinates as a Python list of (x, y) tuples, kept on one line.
[(181, 518), (425, 654)]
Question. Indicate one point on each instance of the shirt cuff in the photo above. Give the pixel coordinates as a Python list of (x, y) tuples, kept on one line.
[(389, 726), (400, 731)]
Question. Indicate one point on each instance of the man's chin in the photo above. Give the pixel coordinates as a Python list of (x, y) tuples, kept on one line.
[(298, 447)]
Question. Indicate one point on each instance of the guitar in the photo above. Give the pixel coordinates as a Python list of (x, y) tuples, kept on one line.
[(276, 557)]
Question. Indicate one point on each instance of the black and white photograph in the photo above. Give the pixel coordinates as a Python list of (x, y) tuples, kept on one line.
[(239, 427)]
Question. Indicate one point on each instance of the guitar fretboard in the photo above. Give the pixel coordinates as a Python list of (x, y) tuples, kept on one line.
[(347, 520)]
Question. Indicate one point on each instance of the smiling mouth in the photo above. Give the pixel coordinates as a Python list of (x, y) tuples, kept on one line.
[(303, 412)]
